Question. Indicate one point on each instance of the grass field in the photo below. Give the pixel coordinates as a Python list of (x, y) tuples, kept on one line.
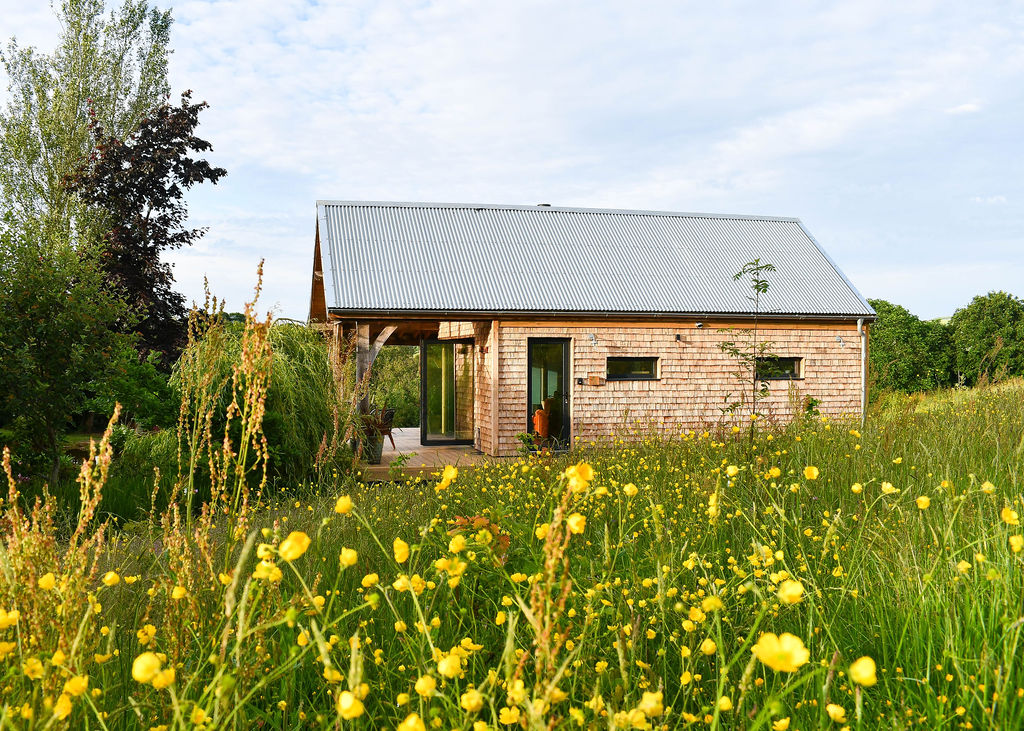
[(711, 579)]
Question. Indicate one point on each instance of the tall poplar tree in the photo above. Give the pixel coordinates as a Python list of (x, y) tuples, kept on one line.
[(114, 63)]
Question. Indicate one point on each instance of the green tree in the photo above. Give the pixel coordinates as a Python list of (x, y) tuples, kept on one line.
[(988, 337), (137, 186), (116, 64), (58, 346), (395, 383), (907, 354)]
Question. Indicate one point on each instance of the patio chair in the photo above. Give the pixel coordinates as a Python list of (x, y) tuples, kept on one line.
[(387, 420)]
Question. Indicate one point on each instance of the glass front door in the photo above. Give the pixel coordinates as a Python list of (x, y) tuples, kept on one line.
[(446, 392), (547, 387)]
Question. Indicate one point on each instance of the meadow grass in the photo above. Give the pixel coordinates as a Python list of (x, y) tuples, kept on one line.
[(714, 579)]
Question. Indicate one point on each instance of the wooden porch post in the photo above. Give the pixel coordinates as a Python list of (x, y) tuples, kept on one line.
[(366, 353)]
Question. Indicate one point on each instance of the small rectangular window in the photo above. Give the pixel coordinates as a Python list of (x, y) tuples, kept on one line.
[(775, 368), (632, 369)]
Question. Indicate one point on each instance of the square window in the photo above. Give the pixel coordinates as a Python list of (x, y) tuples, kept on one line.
[(776, 368), (632, 369)]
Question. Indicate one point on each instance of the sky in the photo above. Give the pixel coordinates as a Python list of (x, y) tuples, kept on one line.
[(892, 130)]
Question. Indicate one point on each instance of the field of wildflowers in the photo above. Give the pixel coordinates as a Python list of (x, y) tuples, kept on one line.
[(817, 575)]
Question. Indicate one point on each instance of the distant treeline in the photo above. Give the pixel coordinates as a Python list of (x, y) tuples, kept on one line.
[(982, 342)]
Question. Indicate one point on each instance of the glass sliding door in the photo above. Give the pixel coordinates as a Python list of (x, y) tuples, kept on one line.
[(547, 388), (446, 396)]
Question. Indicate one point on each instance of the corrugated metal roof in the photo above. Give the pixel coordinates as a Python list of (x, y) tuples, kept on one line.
[(486, 258)]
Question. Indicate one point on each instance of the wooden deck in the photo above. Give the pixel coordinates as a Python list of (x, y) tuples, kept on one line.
[(423, 460)]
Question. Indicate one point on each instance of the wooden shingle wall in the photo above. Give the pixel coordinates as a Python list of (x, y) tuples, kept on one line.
[(695, 376)]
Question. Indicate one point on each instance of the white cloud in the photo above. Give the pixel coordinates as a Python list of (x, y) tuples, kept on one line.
[(989, 199), (827, 113)]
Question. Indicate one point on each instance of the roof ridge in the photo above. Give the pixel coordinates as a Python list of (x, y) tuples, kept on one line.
[(554, 209)]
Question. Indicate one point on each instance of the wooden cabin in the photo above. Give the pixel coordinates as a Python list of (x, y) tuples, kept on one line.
[(572, 324)]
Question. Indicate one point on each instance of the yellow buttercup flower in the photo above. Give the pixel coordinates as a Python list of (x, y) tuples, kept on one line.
[(811, 472), (450, 666), (111, 578), (630, 489), (457, 543), (1017, 543), (471, 701), (349, 706), (508, 716), (46, 582), (293, 546), (401, 549), (785, 653), (856, 488), (711, 603), (791, 592), (836, 712), (725, 703), (1009, 516), (62, 708), (163, 679), (577, 523), (425, 686), (862, 671), (888, 489), (781, 724), (33, 668), (732, 470), (923, 502), (412, 722), (145, 667), (542, 531), (76, 685), (179, 592), (343, 506), (348, 557), (447, 477), (708, 646), (652, 704)]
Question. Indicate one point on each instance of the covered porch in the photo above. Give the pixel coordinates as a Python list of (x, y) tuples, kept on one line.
[(409, 458)]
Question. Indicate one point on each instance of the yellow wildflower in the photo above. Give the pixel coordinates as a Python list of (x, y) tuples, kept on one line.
[(343, 506), (293, 546), (33, 668), (785, 653), (412, 722), (1009, 516), (836, 712), (425, 686), (46, 582), (652, 704), (791, 592), (76, 685), (577, 523), (923, 502), (111, 578), (349, 706), (862, 671), (348, 557), (508, 716), (62, 708), (811, 472), (401, 549), (145, 667), (450, 666), (471, 700)]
